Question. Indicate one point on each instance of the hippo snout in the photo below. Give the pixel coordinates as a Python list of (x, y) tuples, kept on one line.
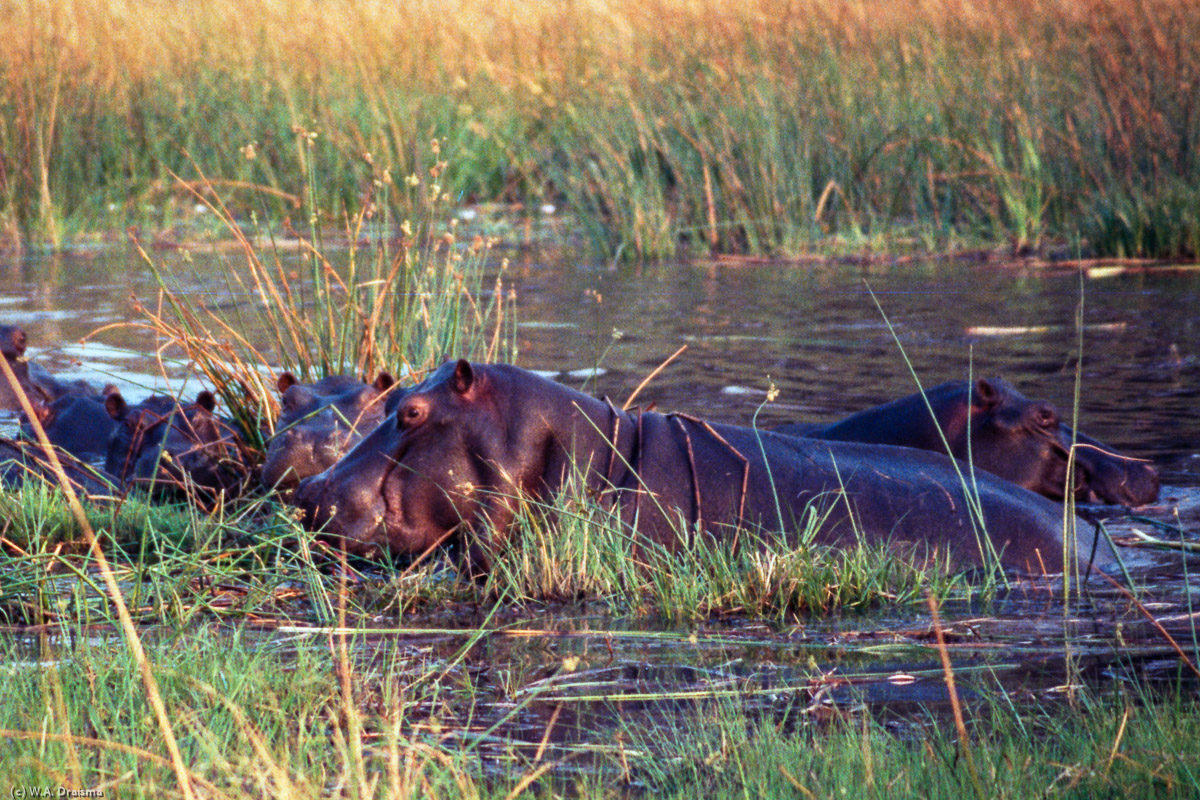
[(348, 519), (1116, 480), (1140, 486), (310, 497)]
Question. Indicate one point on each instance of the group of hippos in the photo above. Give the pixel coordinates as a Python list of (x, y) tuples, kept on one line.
[(964, 474)]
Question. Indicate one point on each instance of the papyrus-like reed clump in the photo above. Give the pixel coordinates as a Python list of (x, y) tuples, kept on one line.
[(365, 302), (765, 126)]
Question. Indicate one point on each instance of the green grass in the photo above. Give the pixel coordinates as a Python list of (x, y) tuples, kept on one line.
[(1110, 746), (766, 127)]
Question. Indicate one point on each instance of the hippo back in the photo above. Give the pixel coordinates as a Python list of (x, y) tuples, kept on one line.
[(997, 429), (468, 443)]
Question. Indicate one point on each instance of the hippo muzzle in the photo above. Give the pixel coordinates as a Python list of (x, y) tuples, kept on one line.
[(352, 517)]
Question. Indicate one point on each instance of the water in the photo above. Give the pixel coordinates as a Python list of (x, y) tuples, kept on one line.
[(812, 330), (816, 333)]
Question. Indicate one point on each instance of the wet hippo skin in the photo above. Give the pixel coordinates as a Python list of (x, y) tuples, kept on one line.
[(318, 423), (471, 439), (172, 447), (12, 346), (999, 430), (79, 424), (38, 384), (22, 462)]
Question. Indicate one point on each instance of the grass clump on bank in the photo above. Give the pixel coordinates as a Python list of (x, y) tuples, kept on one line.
[(574, 549), (397, 304), (765, 127)]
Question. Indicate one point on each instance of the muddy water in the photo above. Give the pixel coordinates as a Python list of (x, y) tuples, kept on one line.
[(817, 334)]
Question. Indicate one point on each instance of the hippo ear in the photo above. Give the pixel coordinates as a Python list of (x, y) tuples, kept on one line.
[(207, 401), (15, 346), (384, 382), (286, 381), (44, 412), (464, 377), (114, 404), (987, 394)]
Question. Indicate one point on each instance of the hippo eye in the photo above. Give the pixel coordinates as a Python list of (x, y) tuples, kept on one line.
[(411, 415), (1046, 417)]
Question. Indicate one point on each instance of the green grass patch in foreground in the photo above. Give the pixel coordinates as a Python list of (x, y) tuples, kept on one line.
[(285, 715), (573, 549), (1114, 746)]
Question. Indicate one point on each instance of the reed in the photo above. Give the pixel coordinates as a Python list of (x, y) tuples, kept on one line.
[(771, 126), (361, 304)]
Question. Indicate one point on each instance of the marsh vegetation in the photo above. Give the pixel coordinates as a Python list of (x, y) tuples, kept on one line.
[(769, 127)]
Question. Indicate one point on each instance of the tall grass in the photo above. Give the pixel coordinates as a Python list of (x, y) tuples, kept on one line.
[(771, 126), (365, 303)]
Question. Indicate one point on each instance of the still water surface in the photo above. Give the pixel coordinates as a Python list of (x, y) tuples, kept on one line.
[(814, 331)]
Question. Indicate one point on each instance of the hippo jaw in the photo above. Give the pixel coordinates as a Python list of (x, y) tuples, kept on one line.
[(370, 519), (1112, 478), (1098, 475), (356, 528)]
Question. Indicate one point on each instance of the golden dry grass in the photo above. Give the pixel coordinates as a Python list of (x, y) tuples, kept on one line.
[(764, 125)]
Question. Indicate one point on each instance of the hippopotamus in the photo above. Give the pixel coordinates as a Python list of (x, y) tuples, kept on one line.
[(162, 443), (22, 461), (38, 384), (471, 442), (999, 430), (318, 423), (79, 424), (12, 346)]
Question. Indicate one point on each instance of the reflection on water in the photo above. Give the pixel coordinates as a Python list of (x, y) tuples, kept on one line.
[(814, 331)]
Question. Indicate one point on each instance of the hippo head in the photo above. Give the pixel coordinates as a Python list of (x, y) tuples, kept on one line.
[(160, 441), (319, 423), (449, 456), (1026, 442), (79, 424), (12, 342)]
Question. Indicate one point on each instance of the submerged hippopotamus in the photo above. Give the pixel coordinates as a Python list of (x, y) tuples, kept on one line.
[(171, 446), (21, 462), (38, 384), (79, 424), (1000, 430), (318, 423), (466, 445)]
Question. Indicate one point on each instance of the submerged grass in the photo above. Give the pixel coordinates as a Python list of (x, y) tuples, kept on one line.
[(768, 127)]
